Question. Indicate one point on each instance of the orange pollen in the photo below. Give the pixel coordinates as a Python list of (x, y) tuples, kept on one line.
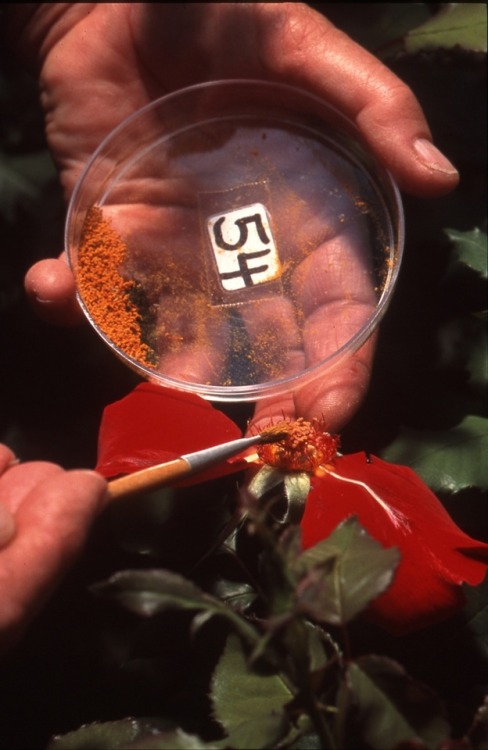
[(306, 446)]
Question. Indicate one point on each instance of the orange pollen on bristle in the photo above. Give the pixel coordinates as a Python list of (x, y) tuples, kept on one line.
[(306, 446)]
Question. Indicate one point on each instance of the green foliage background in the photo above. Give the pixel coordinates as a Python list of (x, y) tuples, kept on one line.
[(426, 407)]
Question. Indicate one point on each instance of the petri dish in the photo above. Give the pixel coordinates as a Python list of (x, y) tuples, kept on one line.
[(235, 239)]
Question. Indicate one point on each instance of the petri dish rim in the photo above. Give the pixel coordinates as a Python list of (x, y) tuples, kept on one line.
[(387, 193)]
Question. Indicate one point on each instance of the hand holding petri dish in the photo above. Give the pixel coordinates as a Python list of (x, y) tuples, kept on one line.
[(235, 239)]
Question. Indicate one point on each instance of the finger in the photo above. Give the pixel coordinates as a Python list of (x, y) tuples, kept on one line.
[(203, 364), (194, 340), (14, 485), (275, 348), (52, 525), (21, 479), (299, 46), (271, 410), (7, 523), (334, 398), (7, 458), (334, 290), (50, 286)]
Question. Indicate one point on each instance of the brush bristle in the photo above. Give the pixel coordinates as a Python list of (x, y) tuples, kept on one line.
[(276, 432)]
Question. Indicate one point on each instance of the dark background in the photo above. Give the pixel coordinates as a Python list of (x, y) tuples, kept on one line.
[(55, 382)]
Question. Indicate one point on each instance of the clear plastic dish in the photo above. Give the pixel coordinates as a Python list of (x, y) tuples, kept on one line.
[(234, 239)]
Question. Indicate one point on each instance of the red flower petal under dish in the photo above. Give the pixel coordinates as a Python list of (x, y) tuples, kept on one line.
[(153, 424)]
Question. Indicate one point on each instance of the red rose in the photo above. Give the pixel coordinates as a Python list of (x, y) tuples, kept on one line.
[(154, 424)]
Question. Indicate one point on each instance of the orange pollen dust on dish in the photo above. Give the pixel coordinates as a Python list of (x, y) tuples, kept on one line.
[(306, 446)]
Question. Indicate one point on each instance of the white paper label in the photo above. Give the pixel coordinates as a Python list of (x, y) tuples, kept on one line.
[(243, 247)]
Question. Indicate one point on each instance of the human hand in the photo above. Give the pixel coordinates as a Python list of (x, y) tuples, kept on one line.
[(45, 513), (325, 292), (171, 46)]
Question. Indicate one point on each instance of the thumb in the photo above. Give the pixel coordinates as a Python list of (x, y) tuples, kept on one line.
[(334, 397), (51, 289), (302, 47)]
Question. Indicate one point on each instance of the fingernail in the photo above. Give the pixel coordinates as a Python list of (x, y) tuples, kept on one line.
[(432, 158)]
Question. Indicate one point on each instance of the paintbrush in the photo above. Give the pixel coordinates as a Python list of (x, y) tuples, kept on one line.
[(161, 475)]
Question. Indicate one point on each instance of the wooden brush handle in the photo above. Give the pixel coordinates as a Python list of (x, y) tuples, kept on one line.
[(148, 479), (158, 476)]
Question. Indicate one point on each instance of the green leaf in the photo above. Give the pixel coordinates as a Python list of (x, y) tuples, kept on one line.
[(471, 249), (175, 739), (347, 571), (108, 735), (147, 592), (447, 460), (238, 595), (456, 24), (290, 547), (250, 706), (380, 27), (317, 641), (291, 497), (265, 480), (297, 488), (388, 707), (463, 345)]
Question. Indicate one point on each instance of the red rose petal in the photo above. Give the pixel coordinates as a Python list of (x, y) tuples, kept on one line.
[(154, 424), (437, 556)]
